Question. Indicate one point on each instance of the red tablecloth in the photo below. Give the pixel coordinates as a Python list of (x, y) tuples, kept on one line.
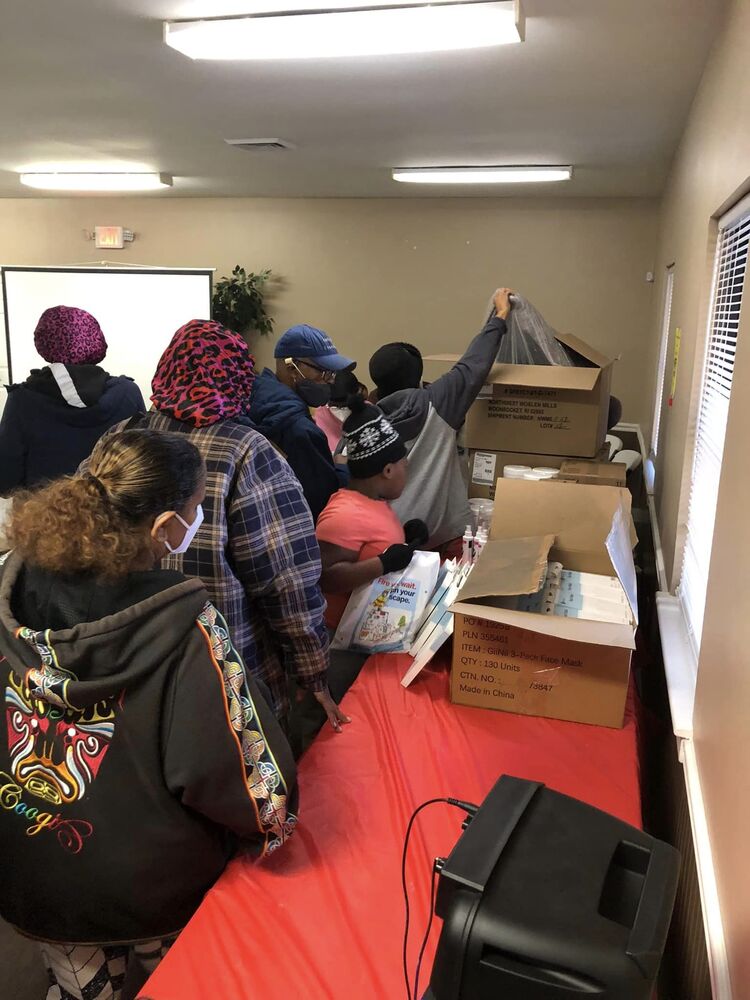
[(323, 919)]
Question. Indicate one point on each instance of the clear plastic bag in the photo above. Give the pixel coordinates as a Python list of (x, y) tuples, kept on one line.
[(530, 340)]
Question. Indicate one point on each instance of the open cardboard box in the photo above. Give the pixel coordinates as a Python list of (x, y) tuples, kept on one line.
[(563, 668), (542, 409)]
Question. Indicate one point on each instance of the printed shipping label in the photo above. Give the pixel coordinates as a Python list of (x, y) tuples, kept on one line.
[(483, 472), (546, 413)]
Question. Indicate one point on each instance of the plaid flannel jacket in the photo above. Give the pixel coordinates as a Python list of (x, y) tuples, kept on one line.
[(257, 554)]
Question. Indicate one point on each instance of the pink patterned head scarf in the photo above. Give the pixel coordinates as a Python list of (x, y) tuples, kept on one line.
[(69, 336), (205, 375)]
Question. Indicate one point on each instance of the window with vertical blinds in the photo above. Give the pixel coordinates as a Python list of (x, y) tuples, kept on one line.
[(662, 367), (730, 269)]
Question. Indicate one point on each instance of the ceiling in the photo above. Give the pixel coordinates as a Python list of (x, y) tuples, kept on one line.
[(603, 84)]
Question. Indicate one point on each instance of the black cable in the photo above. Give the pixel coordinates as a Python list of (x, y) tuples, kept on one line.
[(417, 811), (467, 807), (433, 893)]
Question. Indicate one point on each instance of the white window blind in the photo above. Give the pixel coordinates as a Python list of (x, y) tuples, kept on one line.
[(730, 269), (662, 366)]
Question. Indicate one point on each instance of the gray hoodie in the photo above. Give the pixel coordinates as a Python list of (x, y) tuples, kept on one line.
[(428, 421)]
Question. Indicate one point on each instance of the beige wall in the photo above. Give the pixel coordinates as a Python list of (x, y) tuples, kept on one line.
[(712, 169), (379, 270)]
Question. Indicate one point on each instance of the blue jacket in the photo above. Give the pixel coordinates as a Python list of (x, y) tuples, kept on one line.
[(43, 437), (281, 416)]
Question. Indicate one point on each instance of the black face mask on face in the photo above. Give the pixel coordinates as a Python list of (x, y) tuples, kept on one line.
[(313, 393)]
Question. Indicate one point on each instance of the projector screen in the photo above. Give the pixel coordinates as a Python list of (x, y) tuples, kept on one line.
[(138, 311)]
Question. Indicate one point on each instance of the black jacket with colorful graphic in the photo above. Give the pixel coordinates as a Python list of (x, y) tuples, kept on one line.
[(137, 755)]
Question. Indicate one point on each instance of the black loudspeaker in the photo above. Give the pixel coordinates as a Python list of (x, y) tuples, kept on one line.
[(546, 898)]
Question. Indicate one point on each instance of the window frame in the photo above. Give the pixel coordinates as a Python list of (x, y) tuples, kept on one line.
[(661, 370), (711, 419)]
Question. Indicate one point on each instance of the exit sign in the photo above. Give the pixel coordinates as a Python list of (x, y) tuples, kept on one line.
[(109, 237)]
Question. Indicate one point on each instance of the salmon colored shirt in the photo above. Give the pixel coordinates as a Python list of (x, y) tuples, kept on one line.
[(367, 527)]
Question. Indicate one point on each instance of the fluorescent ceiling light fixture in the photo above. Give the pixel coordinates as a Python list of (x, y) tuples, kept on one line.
[(482, 175), (361, 31), (107, 181)]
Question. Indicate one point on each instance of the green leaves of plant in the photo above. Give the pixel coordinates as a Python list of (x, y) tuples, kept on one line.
[(238, 302)]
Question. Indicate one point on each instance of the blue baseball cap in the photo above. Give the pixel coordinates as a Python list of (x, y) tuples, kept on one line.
[(310, 344)]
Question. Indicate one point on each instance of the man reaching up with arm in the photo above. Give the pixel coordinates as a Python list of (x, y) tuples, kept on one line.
[(429, 419)]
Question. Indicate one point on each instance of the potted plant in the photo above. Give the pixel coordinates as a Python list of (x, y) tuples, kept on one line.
[(238, 302)]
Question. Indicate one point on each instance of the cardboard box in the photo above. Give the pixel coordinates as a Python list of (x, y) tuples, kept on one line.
[(540, 409), (486, 467), (514, 670), (593, 473), (548, 665)]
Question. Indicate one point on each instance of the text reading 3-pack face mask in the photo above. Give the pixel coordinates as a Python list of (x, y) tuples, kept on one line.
[(190, 533)]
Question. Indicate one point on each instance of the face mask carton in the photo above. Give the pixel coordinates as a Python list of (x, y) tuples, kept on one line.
[(542, 409), (546, 665)]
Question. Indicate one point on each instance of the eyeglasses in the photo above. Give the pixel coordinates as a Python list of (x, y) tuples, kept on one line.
[(322, 374)]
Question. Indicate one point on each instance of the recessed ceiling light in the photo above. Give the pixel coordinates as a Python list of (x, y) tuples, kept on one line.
[(482, 175), (361, 31), (108, 181)]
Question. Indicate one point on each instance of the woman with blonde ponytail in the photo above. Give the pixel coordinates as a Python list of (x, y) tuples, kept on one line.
[(92, 524), (125, 782)]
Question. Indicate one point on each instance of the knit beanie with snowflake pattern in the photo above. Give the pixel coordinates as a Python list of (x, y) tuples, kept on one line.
[(371, 441)]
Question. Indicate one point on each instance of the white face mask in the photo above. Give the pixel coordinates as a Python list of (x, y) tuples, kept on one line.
[(340, 412), (189, 533)]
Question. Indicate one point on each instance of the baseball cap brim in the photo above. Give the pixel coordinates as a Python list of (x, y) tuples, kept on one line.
[(332, 362)]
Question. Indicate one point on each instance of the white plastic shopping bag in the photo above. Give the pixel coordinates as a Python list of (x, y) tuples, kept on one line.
[(383, 616)]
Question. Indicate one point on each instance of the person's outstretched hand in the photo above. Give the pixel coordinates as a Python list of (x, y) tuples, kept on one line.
[(416, 533), (335, 716), (501, 302)]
